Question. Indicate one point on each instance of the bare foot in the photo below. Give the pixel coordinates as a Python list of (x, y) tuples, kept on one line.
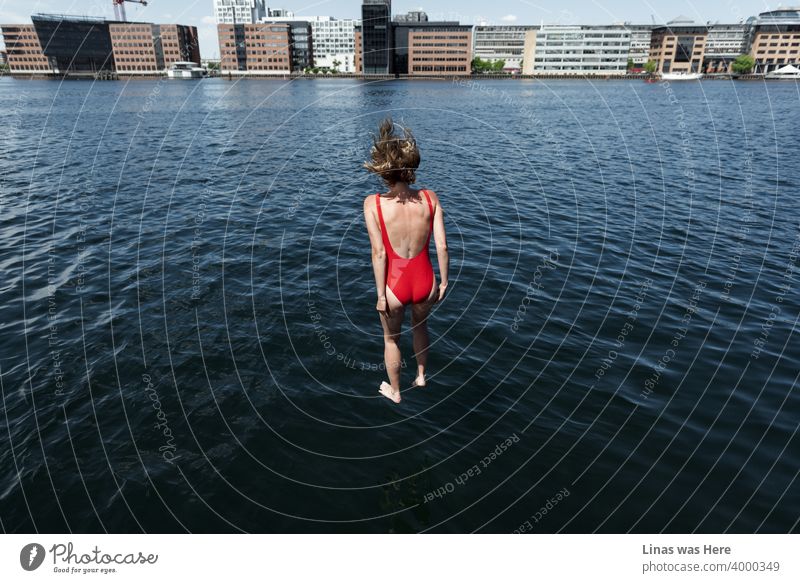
[(387, 391), (420, 381)]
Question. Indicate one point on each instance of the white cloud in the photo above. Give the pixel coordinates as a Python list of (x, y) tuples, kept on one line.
[(509, 18), (209, 20)]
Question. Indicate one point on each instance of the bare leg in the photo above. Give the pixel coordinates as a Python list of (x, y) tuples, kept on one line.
[(422, 341), (391, 352)]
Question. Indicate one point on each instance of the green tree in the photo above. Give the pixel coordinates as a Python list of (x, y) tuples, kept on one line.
[(336, 64), (498, 66), (650, 67), (630, 63), (743, 64)]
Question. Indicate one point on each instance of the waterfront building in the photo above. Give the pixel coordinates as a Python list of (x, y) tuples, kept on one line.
[(529, 52), (75, 45), (641, 37), (300, 43), (86, 46), (25, 54), (423, 48), (255, 49), (3, 58), (724, 44), (141, 48), (332, 40), (581, 50), (410, 44), (239, 11), (432, 48), (775, 39), (679, 46), (376, 37), (358, 60), (501, 43)]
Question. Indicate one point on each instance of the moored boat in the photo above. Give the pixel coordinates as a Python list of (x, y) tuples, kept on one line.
[(681, 76), (185, 70)]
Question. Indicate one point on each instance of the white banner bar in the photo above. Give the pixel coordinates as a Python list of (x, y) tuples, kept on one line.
[(385, 558)]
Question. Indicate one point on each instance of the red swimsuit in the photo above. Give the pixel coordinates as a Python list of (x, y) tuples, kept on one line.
[(411, 280)]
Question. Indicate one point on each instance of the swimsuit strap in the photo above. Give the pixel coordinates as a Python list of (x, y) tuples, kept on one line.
[(384, 234), (430, 206)]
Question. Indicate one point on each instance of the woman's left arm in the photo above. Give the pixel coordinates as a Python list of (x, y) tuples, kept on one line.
[(378, 253)]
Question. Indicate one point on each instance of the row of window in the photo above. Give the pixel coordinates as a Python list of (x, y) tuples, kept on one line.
[(775, 61), (125, 35), (439, 59), (251, 52), (31, 68), (419, 44), (464, 54), (550, 43), (150, 44), (439, 69), (419, 36)]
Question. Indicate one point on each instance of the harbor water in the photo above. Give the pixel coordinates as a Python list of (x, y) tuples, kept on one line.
[(189, 336)]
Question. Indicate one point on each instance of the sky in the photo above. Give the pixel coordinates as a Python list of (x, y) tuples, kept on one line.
[(199, 13)]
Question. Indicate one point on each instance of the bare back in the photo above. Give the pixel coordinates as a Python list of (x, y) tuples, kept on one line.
[(408, 220)]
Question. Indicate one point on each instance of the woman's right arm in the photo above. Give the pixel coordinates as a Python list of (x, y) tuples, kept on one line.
[(440, 236)]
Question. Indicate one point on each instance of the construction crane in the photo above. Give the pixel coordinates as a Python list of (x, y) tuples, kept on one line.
[(119, 8)]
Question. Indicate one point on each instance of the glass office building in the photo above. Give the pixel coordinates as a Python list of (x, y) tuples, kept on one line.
[(376, 35), (75, 45)]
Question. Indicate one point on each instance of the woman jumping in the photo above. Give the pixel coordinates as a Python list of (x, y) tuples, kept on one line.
[(400, 223)]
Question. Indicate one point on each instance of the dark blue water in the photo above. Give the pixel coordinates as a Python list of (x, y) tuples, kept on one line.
[(189, 340)]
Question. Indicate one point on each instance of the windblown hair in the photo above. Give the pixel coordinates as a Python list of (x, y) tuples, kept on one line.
[(394, 158)]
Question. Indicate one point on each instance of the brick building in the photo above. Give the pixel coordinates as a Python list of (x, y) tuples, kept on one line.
[(255, 49), (679, 47), (358, 59), (775, 40), (68, 45), (25, 54), (439, 50), (141, 48), (416, 47)]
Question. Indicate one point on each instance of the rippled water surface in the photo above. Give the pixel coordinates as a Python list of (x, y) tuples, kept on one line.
[(189, 340)]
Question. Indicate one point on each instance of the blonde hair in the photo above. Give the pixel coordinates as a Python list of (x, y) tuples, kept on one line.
[(394, 158)]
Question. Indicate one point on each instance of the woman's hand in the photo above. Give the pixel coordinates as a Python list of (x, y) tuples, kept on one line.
[(442, 291), (383, 305)]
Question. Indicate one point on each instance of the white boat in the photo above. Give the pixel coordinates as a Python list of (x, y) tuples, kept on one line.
[(185, 70), (681, 76), (787, 72)]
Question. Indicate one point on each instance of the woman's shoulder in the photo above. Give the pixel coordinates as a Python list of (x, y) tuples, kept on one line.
[(433, 196), (370, 200)]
